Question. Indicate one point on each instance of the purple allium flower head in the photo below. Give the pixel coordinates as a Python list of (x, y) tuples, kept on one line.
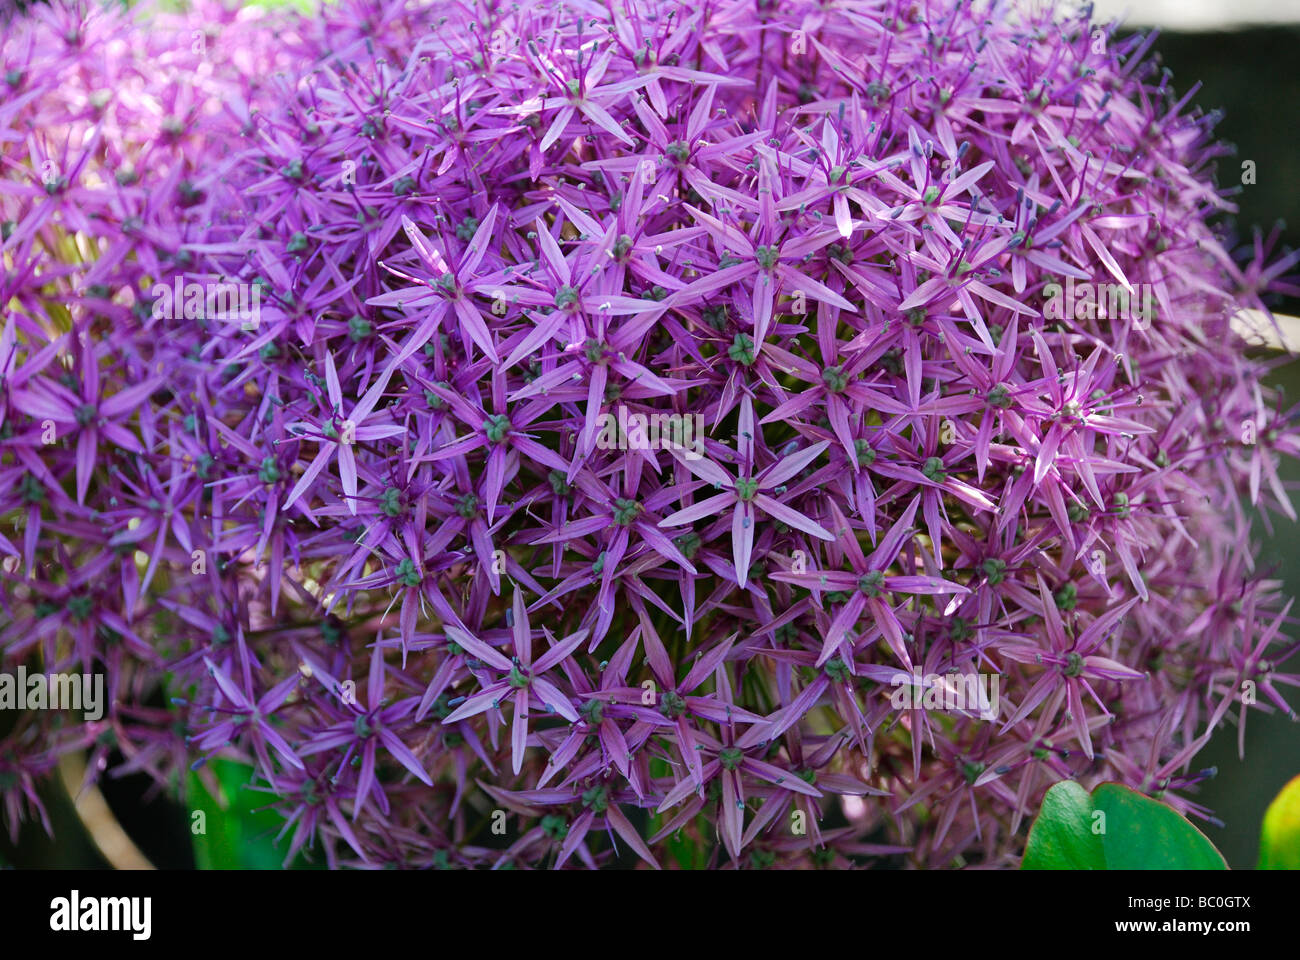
[(603, 419)]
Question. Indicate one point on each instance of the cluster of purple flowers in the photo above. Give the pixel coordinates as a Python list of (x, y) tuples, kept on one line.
[(373, 532)]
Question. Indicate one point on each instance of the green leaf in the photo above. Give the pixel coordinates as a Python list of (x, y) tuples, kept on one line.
[(235, 837), (1062, 838), (1145, 834), (1114, 828), (1279, 839)]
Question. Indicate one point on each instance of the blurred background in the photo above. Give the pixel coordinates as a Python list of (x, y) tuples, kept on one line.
[(1245, 54), (1252, 73)]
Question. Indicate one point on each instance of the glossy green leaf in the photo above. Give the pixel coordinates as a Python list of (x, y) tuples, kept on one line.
[(1145, 834), (1279, 841), (1114, 828), (1062, 838)]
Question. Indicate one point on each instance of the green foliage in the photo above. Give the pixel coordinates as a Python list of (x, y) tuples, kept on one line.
[(1279, 840), (1062, 838), (689, 853), (1114, 828), (235, 837)]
